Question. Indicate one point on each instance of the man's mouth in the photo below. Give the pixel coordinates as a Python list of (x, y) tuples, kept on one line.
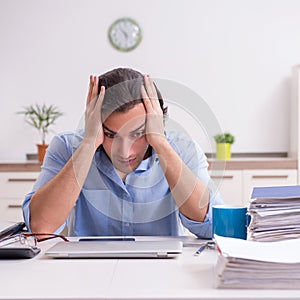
[(126, 162)]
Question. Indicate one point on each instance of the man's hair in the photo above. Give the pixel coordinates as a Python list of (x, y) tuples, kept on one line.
[(123, 90)]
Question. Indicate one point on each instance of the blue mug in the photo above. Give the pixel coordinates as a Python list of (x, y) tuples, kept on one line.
[(230, 221)]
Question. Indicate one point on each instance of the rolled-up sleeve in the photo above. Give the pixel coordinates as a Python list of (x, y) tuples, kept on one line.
[(58, 153), (194, 157), (202, 229)]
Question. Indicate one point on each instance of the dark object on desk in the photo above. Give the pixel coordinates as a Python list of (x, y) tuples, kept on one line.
[(207, 245), (200, 250), (18, 253), (13, 229)]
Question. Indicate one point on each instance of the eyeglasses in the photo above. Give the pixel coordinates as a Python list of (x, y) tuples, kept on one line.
[(29, 239)]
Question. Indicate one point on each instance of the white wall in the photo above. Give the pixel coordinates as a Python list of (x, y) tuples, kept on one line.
[(236, 54)]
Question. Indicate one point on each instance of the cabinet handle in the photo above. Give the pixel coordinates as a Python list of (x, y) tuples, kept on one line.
[(14, 206), (21, 180), (270, 176), (222, 177)]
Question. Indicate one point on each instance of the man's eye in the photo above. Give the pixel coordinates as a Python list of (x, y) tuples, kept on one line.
[(109, 135), (136, 135)]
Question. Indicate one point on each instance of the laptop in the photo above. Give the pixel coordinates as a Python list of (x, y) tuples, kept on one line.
[(115, 249)]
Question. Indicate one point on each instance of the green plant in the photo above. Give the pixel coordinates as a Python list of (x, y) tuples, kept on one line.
[(41, 117), (224, 138)]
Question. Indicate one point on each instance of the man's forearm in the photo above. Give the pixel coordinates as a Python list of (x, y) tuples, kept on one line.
[(189, 192), (52, 203)]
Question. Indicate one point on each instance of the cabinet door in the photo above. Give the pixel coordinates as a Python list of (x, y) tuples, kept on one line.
[(256, 178), (11, 210), (16, 184), (229, 184), (13, 188)]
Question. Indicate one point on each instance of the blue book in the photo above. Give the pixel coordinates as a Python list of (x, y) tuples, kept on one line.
[(276, 192)]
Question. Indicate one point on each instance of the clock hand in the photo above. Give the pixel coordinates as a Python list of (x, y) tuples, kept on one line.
[(125, 33)]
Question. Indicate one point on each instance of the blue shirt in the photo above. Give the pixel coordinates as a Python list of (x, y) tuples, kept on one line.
[(142, 205)]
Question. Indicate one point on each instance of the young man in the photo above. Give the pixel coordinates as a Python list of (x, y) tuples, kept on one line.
[(122, 175)]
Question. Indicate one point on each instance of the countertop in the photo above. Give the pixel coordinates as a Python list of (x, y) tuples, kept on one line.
[(26, 166), (250, 163), (254, 163)]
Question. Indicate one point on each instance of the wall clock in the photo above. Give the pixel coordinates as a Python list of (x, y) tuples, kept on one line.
[(125, 34)]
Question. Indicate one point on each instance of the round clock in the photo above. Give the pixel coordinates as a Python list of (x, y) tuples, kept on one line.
[(125, 34)]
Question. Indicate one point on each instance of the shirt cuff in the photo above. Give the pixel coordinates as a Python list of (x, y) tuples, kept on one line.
[(26, 215), (200, 229)]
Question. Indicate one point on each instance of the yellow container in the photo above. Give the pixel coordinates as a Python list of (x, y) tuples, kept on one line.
[(223, 151)]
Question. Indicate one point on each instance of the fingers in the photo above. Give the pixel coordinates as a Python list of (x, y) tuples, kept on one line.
[(150, 88), (146, 99), (93, 89), (149, 95), (89, 96), (99, 102)]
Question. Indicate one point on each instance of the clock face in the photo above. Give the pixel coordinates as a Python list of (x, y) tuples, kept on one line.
[(125, 34)]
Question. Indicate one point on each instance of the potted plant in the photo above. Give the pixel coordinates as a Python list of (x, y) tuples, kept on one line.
[(41, 117), (223, 143)]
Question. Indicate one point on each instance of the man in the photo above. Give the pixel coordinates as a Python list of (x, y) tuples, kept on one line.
[(122, 175)]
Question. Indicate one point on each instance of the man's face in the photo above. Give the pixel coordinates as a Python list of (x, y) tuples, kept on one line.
[(124, 138)]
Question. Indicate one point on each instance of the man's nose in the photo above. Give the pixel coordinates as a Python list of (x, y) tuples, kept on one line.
[(123, 146)]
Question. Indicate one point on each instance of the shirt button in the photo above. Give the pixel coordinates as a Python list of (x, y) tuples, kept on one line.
[(127, 224)]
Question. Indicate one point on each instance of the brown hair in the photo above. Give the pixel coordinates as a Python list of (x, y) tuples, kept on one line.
[(123, 90)]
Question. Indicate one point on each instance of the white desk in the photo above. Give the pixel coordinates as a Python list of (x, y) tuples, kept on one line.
[(185, 277)]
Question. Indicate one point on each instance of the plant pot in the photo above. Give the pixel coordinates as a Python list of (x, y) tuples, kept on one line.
[(41, 151), (223, 151)]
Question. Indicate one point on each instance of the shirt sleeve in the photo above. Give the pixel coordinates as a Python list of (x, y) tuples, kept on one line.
[(194, 157), (202, 229), (58, 153)]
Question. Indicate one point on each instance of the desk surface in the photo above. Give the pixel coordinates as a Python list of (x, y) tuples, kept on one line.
[(184, 277)]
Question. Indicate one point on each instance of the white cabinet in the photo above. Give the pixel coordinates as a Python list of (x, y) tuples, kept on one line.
[(256, 178), (13, 188), (230, 186), (294, 150), (236, 185)]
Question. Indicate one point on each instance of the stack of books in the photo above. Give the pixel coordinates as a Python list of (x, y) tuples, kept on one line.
[(275, 213), (248, 264)]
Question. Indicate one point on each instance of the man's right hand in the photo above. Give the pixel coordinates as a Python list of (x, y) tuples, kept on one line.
[(93, 123)]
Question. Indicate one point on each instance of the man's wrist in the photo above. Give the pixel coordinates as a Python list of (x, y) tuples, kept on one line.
[(89, 144), (161, 145)]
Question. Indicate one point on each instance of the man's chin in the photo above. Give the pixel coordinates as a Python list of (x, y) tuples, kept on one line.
[(126, 169)]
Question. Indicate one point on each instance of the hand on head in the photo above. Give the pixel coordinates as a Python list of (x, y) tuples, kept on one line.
[(93, 123), (155, 123), (154, 114)]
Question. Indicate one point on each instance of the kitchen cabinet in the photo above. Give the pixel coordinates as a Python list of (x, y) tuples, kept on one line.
[(256, 178), (230, 185), (236, 185), (13, 188), (294, 128)]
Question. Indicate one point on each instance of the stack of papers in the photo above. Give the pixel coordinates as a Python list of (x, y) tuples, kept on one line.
[(275, 213), (258, 265)]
